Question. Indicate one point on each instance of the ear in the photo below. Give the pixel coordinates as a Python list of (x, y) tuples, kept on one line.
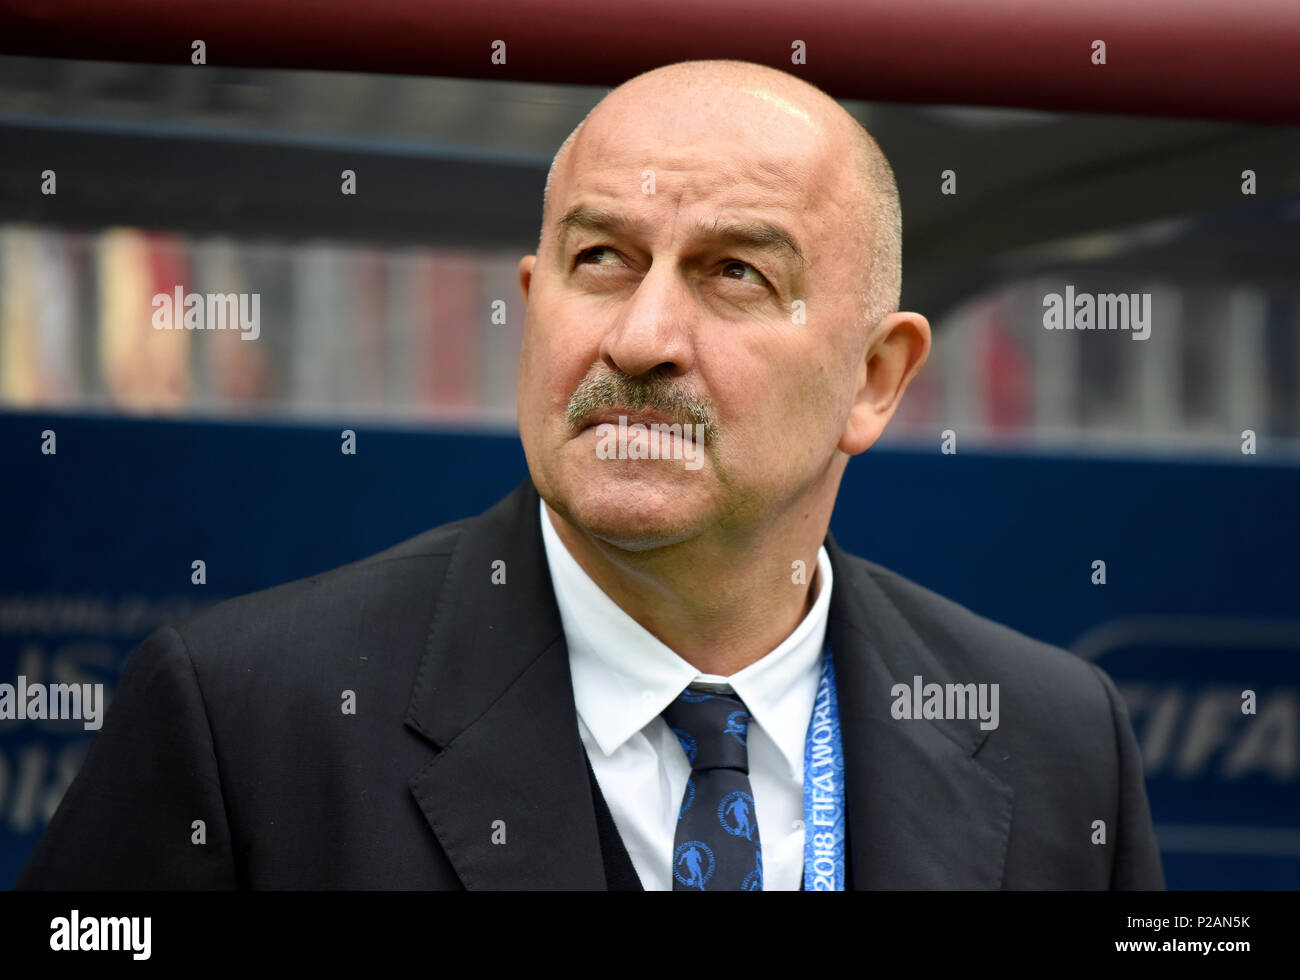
[(898, 346), (526, 273)]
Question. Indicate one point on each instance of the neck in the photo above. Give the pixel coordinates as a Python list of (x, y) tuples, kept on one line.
[(720, 608)]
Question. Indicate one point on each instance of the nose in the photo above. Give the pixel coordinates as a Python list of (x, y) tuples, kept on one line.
[(652, 331)]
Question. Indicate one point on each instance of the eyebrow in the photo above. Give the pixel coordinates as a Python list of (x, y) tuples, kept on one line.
[(761, 235)]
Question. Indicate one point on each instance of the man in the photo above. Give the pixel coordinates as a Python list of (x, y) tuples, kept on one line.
[(649, 667)]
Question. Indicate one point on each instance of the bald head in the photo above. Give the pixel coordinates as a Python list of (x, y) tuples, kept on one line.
[(876, 219), (719, 249)]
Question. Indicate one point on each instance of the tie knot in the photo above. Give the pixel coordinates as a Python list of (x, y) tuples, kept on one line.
[(712, 729)]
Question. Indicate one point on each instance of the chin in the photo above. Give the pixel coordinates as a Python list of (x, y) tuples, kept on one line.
[(635, 504)]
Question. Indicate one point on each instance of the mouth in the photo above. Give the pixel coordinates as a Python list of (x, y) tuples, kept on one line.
[(634, 416)]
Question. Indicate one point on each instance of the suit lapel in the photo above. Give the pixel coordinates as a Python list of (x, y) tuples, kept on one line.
[(923, 814), (507, 793), (494, 696)]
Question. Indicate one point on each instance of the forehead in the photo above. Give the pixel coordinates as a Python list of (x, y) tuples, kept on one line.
[(718, 153)]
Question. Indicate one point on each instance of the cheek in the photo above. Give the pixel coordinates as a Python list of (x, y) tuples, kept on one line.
[(788, 408), (553, 360)]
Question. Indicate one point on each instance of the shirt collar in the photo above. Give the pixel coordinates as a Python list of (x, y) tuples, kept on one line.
[(624, 676)]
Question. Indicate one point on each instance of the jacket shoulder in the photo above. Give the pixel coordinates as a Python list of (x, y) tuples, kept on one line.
[(1064, 744), (366, 621), (976, 645), (417, 560), (1051, 701)]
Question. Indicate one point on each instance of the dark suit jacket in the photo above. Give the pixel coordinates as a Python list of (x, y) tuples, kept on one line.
[(464, 717)]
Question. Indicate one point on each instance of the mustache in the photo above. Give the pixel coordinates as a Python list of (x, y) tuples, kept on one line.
[(655, 392)]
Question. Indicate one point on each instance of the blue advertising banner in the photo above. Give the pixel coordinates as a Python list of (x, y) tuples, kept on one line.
[(1195, 614)]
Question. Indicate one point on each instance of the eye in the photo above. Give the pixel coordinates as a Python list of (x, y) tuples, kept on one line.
[(730, 264), (580, 258)]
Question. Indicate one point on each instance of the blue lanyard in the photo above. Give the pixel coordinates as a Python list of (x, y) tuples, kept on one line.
[(823, 790)]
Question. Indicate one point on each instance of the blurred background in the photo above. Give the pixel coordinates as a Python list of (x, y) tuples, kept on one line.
[(396, 312)]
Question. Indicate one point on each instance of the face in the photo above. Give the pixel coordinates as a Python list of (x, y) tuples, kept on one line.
[(709, 271)]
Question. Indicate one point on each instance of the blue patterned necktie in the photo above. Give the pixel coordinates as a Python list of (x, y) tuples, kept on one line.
[(716, 847)]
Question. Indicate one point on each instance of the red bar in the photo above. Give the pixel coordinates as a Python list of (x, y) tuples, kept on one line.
[(1229, 59)]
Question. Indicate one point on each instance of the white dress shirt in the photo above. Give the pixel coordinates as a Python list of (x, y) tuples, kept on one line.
[(623, 677)]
